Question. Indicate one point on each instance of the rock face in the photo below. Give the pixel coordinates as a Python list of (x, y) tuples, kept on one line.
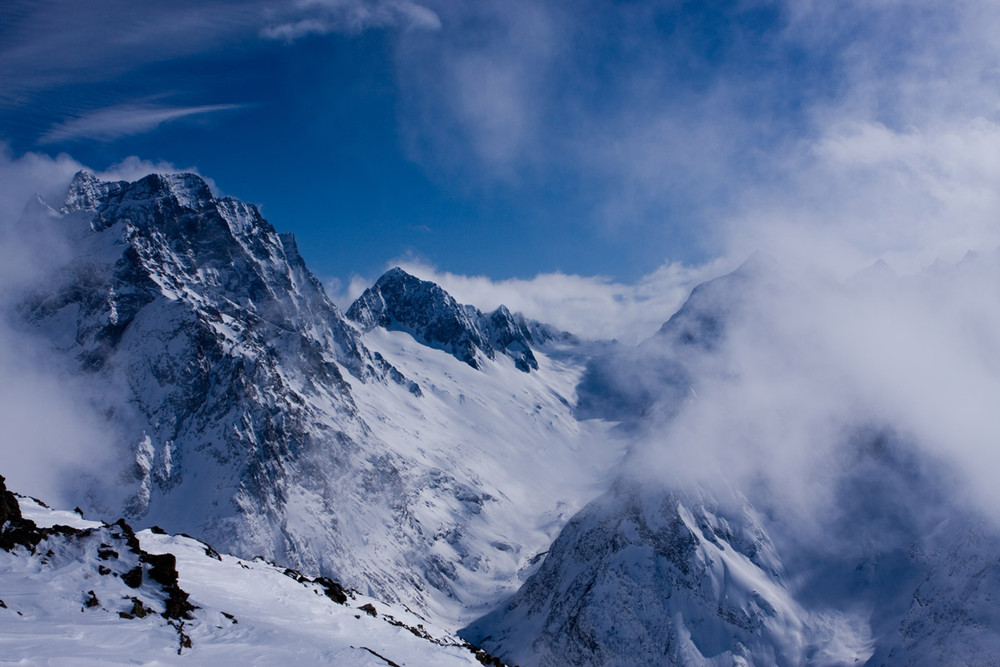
[(401, 302), (213, 349)]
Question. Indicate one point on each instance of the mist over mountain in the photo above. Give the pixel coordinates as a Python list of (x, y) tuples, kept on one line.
[(794, 469), (794, 492)]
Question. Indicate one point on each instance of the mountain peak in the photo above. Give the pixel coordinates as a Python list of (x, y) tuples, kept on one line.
[(190, 190), (396, 273), (85, 192), (400, 301)]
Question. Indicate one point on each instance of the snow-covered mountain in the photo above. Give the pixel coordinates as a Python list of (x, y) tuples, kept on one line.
[(252, 414), (641, 577), (771, 478)]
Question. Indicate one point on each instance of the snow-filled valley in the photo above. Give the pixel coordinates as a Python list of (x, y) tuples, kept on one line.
[(774, 477)]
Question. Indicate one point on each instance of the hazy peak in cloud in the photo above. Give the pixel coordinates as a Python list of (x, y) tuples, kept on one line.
[(805, 359)]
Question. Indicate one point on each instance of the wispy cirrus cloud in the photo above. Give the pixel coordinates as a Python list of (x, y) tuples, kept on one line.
[(321, 17), (125, 120), (88, 67), (48, 44)]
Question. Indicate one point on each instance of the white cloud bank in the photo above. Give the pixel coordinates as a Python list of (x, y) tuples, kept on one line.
[(592, 307), (813, 370)]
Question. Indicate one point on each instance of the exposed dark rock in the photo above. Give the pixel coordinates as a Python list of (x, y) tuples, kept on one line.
[(487, 658), (133, 578), (163, 570), (183, 640), (334, 591), (130, 539), (10, 510), (139, 608), (15, 530), (381, 657)]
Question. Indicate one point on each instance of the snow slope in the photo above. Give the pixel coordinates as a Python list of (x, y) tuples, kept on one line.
[(65, 602), (499, 463)]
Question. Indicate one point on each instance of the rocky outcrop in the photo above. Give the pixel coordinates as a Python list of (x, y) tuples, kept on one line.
[(109, 551)]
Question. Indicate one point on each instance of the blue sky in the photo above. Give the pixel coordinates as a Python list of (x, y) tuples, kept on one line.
[(515, 140)]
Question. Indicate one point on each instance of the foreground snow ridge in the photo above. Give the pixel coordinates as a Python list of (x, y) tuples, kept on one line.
[(78, 592)]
